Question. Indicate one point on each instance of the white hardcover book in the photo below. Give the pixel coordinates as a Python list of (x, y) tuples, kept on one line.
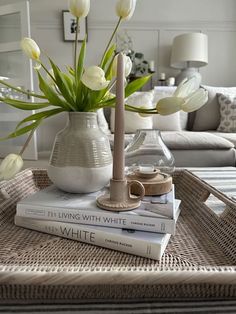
[(54, 204), (145, 244)]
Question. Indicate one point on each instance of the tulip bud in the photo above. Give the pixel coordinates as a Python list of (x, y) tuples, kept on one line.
[(127, 65), (125, 8), (79, 8), (195, 100), (94, 78), (169, 105), (10, 166), (186, 87), (30, 48)]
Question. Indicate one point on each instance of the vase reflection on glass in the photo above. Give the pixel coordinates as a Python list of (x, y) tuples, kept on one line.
[(148, 150), (81, 159)]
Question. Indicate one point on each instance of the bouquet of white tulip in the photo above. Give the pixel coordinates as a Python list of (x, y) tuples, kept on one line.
[(85, 89)]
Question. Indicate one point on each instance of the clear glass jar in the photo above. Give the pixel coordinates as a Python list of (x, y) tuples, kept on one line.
[(148, 150)]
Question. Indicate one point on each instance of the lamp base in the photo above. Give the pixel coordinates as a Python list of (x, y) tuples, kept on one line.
[(189, 73)]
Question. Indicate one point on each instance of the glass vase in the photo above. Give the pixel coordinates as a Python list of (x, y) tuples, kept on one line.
[(147, 150)]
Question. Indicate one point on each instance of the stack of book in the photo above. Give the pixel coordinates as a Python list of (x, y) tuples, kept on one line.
[(144, 231)]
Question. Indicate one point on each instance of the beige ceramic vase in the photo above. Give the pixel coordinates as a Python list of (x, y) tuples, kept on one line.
[(81, 159)]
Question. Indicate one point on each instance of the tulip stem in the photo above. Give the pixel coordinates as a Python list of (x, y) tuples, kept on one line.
[(27, 142), (46, 70), (76, 45), (112, 36)]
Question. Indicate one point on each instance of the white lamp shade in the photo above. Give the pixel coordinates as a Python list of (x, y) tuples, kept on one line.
[(191, 48)]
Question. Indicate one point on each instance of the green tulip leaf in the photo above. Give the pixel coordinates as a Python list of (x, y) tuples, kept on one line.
[(109, 71), (136, 85), (22, 91), (71, 71), (23, 130), (108, 103), (64, 84), (79, 71), (81, 58), (40, 115), (51, 95), (108, 55), (24, 105)]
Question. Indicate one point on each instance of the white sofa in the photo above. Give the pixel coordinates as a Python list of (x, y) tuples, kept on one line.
[(192, 138)]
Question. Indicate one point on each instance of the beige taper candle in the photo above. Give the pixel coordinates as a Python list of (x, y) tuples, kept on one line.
[(118, 151), (119, 198)]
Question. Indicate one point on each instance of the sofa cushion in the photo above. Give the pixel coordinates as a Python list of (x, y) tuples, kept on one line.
[(167, 123), (133, 120), (228, 136), (208, 116), (187, 140), (204, 158), (227, 113)]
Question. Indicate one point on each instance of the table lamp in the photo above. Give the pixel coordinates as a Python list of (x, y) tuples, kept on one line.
[(189, 52)]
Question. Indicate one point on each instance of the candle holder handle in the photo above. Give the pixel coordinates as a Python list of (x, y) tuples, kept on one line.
[(120, 198), (138, 187)]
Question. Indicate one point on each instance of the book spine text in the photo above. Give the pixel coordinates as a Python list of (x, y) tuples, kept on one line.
[(135, 222)]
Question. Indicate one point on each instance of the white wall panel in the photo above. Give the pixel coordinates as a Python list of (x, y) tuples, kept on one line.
[(221, 69)]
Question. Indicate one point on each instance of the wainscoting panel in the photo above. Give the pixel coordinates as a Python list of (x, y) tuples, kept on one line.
[(221, 69)]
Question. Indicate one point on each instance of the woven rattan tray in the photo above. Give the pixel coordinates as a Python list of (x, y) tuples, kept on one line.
[(199, 261)]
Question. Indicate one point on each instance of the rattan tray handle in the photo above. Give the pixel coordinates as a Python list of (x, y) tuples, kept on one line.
[(230, 204)]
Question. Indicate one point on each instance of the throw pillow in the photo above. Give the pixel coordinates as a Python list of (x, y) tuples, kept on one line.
[(227, 113), (167, 123), (208, 116), (133, 120)]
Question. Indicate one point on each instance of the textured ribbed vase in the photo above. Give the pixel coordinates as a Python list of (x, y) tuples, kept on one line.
[(81, 159)]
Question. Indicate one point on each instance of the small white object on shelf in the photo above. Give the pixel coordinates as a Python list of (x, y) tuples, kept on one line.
[(152, 65), (162, 76)]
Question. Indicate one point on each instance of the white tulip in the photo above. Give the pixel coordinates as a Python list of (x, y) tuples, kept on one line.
[(94, 78), (195, 100), (30, 48), (127, 65), (169, 105), (125, 8), (187, 97), (10, 166), (186, 87), (79, 8)]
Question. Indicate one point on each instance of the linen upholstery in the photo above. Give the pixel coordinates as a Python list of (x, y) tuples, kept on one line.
[(228, 136), (194, 140)]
